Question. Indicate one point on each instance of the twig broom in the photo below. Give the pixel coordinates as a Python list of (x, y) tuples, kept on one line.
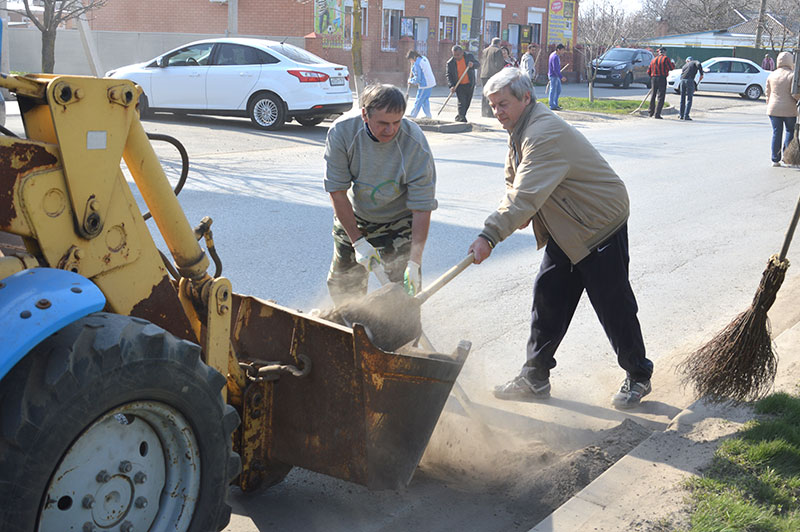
[(739, 363)]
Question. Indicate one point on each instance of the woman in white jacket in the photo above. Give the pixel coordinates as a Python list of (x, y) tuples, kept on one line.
[(422, 76), (781, 104)]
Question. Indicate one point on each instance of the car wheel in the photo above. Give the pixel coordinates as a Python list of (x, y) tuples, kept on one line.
[(267, 111), (627, 81), (753, 92), (143, 107), (310, 121)]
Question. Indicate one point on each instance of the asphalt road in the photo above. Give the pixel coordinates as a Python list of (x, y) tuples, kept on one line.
[(707, 211)]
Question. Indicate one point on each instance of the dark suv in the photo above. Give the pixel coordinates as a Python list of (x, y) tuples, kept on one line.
[(623, 66)]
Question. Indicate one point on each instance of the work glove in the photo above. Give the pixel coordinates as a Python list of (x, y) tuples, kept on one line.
[(412, 279), (366, 255)]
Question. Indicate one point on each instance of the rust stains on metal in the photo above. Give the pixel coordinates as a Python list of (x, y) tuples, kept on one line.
[(17, 160), (163, 308)]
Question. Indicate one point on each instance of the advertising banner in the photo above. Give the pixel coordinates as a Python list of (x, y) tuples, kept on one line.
[(329, 22), (561, 22)]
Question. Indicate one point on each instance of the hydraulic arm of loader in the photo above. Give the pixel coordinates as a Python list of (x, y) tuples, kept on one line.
[(309, 392)]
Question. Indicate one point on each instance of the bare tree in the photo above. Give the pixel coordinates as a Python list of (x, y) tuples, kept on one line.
[(686, 16), (601, 26), (54, 14)]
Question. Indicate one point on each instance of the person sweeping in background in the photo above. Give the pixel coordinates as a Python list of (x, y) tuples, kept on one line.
[(422, 76), (781, 105)]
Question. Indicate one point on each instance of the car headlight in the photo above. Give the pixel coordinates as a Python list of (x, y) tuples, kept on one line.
[(619, 67)]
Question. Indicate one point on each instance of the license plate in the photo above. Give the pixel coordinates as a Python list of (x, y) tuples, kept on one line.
[(337, 81)]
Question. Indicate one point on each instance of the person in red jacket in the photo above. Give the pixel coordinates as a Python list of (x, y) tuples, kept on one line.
[(658, 70)]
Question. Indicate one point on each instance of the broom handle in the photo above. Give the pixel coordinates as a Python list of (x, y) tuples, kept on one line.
[(451, 94), (444, 279), (790, 232)]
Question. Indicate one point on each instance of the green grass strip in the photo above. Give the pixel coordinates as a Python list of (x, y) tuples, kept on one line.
[(753, 482), (616, 107)]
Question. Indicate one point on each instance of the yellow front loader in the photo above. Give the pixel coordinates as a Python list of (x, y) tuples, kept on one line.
[(136, 388)]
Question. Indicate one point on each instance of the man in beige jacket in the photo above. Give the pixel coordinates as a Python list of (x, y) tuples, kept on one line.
[(579, 208)]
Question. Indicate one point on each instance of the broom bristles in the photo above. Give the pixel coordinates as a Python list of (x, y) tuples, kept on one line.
[(791, 155), (739, 363)]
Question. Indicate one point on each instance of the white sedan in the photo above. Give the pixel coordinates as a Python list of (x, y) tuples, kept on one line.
[(727, 74), (269, 81)]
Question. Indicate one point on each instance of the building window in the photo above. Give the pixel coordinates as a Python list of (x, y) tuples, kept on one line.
[(536, 33), (492, 30), (391, 29), (447, 28), (348, 24)]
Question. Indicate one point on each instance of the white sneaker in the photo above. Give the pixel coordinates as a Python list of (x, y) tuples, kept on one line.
[(776, 163)]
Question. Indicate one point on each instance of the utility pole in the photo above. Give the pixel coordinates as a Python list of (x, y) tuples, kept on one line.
[(233, 17), (4, 64), (356, 49), (761, 16)]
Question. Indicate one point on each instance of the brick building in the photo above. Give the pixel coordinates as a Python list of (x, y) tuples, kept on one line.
[(389, 27)]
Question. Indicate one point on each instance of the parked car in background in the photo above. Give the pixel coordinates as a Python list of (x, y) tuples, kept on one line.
[(269, 81), (727, 74), (623, 66)]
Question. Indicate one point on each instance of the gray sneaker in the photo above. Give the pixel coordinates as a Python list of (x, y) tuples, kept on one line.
[(522, 388), (630, 393)]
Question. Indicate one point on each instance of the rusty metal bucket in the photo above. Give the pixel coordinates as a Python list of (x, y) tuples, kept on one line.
[(361, 414)]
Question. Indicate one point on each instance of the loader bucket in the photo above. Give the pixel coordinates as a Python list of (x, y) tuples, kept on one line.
[(361, 414)]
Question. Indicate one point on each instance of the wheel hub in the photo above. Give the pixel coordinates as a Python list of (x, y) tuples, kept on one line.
[(137, 464), (265, 112)]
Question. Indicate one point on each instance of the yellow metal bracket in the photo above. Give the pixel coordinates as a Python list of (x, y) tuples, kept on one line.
[(91, 119), (217, 341)]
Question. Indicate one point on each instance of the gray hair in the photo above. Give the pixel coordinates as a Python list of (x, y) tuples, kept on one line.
[(495, 41), (456, 48), (513, 78), (384, 97)]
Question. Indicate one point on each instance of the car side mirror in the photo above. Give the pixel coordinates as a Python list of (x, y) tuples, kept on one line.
[(163, 62), (637, 61)]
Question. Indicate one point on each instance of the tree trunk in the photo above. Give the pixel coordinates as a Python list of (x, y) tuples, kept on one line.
[(48, 51), (591, 90)]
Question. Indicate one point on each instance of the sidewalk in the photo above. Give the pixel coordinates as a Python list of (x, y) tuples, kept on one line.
[(643, 490)]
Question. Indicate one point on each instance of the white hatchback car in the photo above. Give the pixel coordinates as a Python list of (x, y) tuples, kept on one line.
[(727, 74), (269, 81)]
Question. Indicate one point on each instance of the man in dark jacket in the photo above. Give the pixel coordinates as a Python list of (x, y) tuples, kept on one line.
[(492, 62), (463, 85), (688, 73)]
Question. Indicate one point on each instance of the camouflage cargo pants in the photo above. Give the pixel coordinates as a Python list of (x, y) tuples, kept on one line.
[(347, 278)]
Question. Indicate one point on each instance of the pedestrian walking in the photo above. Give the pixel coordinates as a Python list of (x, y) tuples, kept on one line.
[(688, 73), (491, 63), (380, 175), (422, 77), (559, 182), (767, 63), (457, 65), (528, 62), (781, 105), (555, 77), (657, 70)]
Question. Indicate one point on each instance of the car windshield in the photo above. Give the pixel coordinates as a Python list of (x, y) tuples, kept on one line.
[(296, 54), (708, 62), (618, 55)]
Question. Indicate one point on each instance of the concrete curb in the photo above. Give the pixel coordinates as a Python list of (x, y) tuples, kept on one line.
[(626, 493)]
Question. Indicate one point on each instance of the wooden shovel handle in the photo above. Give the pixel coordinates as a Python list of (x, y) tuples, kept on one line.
[(448, 276)]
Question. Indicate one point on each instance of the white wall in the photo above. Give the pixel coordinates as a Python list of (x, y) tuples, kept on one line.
[(115, 48)]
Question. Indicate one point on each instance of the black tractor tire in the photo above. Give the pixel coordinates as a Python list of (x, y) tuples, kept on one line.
[(266, 111), (98, 370), (310, 121), (627, 81)]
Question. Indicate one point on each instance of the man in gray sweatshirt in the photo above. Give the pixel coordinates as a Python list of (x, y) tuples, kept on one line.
[(381, 178)]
